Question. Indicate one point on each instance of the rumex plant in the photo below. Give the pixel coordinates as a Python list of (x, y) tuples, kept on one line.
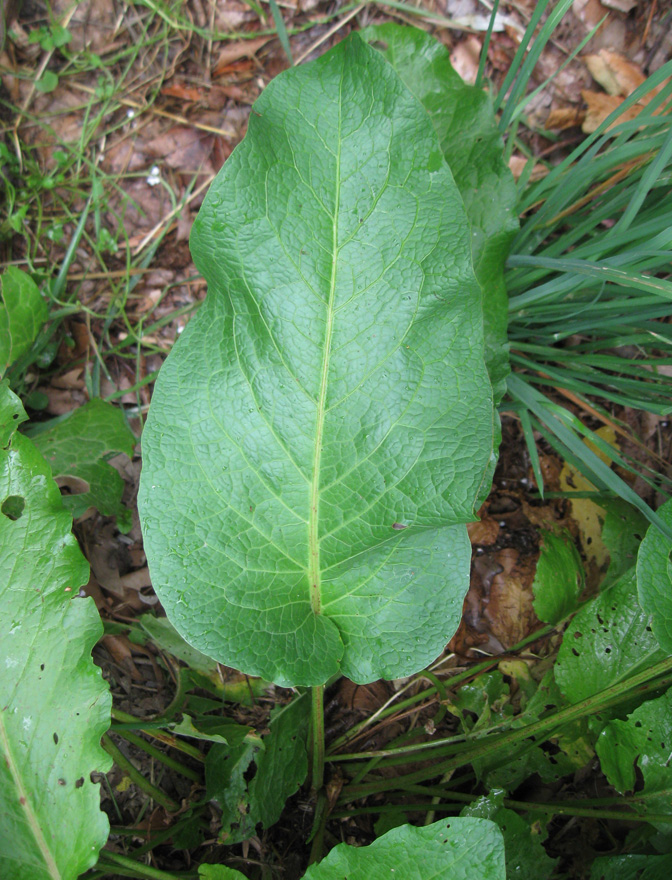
[(321, 432)]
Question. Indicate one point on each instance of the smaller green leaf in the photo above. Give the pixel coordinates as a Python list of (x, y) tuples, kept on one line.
[(559, 578), (632, 867), (212, 729), (526, 858), (609, 639), (76, 448), (281, 768), (643, 740), (654, 579), (622, 533), (22, 314), (225, 782), (452, 849), (283, 765), (166, 637), (12, 413), (219, 872), (47, 82)]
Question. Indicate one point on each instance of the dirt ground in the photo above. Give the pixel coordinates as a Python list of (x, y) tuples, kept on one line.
[(178, 112)]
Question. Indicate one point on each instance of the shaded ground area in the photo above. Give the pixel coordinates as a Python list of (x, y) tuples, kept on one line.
[(125, 113)]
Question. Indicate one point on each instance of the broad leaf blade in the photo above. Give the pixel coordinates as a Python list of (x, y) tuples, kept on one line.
[(453, 849), (22, 314), (54, 705), (559, 578), (608, 640), (642, 741), (472, 145), (654, 579), (321, 430), (77, 446)]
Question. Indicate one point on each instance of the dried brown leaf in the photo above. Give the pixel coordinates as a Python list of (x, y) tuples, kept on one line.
[(614, 72)]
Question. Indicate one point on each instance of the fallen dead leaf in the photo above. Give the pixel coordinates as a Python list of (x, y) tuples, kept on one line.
[(483, 532), (517, 165), (185, 149), (184, 93), (509, 610), (465, 58), (563, 118), (614, 72), (236, 51), (600, 106)]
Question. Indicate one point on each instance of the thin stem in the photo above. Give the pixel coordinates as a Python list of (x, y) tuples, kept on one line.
[(124, 764), (126, 867), (610, 696), (317, 733)]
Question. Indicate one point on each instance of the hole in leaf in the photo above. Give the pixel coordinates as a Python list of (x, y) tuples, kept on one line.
[(380, 45), (72, 485), (13, 507), (56, 738), (80, 782)]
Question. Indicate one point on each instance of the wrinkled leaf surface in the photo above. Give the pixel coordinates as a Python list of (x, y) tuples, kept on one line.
[(54, 704), (321, 430), (472, 145)]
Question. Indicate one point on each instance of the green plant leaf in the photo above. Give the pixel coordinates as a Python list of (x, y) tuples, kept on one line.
[(632, 867), (321, 430), (609, 639), (452, 849), (559, 578), (622, 533), (283, 764), (644, 741), (54, 704), (654, 579), (281, 768), (225, 782), (22, 314), (219, 872), (77, 447), (212, 729), (526, 858), (472, 145)]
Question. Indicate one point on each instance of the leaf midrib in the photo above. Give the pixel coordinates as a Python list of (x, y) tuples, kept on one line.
[(314, 573), (26, 803)]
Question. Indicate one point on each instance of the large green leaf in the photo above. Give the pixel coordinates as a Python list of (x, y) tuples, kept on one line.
[(632, 867), (472, 144), (452, 849), (22, 314), (608, 640), (644, 741), (54, 705), (654, 579), (321, 430), (76, 447)]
